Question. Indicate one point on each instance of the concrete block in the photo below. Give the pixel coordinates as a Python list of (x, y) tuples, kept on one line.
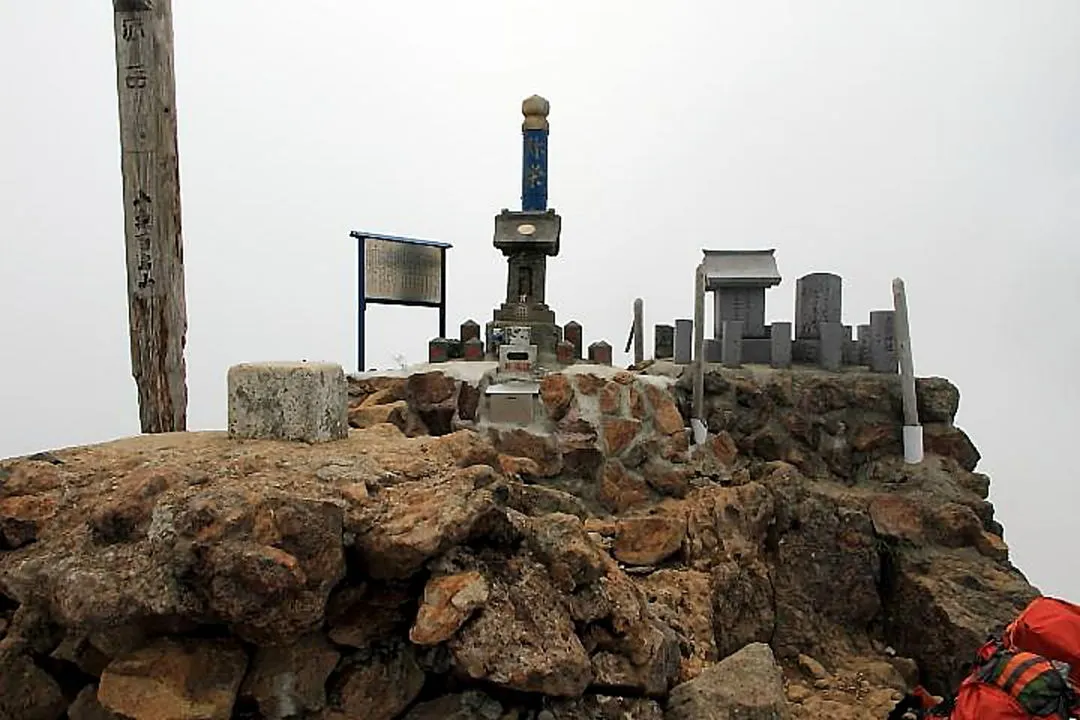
[(731, 343), (831, 348), (780, 337), (684, 342), (298, 401)]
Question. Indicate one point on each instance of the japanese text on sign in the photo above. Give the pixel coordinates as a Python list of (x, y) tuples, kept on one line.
[(143, 220), (402, 272)]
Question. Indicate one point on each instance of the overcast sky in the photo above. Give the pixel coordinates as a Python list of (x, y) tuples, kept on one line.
[(937, 141)]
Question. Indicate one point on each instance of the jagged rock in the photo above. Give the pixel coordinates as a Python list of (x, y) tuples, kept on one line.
[(745, 686), (898, 518), (27, 692), (938, 400), (524, 638), (620, 489), (396, 413), (650, 539), (468, 401), (589, 384), (826, 570), (539, 499), (287, 681), (556, 393), (361, 615), (683, 600), (957, 525), (644, 660), (727, 523), (561, 543), (744, 605), (619, 433), (86, 707), (377, 684), (414, 522), (943, 604), (264, 564), (80, 652), (665, 414), (448, 602), (611, 399), (471, 705), (667, 478), (176, 680), (950, 441), (604, 707), (432, 396), (543, 449), (22, 517), (387, 388)]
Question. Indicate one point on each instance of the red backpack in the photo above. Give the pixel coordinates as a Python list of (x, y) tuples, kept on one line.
[(1051, 628), (1013, 685)]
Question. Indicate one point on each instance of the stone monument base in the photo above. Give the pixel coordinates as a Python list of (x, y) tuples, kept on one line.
[(299, 401), (540, 320)]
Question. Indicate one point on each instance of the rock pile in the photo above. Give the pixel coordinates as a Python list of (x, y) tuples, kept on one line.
[(434, 566)]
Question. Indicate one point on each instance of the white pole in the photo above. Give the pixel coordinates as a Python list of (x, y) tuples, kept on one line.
[(913, 432)]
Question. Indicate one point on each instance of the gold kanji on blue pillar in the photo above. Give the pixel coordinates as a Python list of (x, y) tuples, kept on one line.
[(534, 165)]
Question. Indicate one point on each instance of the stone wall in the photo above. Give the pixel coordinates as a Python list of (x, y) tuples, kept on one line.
[(432, 565)]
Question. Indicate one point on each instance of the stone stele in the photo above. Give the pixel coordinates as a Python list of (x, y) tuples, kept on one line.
[(299, 401)]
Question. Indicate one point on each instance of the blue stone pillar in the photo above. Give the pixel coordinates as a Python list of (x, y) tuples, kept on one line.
[(534, 164)]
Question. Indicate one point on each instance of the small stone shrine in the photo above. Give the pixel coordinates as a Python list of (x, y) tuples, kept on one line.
[(527, 237), (738, 280)]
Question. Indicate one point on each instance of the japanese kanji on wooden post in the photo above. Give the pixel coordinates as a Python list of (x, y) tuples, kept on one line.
[(152, 228)]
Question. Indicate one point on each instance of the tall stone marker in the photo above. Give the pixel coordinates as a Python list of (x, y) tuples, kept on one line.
[(150, 166), (817, 300), (684, 341), (780, 346), (663, 342), (883, 341), (529, 236)]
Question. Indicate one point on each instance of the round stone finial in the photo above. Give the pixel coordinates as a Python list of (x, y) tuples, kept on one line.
[(535, 109)]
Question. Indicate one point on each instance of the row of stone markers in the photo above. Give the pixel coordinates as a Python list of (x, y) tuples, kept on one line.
[(738, 280), (470, 346)]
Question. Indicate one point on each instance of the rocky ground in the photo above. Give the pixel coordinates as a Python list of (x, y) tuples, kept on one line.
[(432, 566)]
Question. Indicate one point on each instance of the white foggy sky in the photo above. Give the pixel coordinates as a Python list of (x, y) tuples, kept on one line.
[(935, 141)]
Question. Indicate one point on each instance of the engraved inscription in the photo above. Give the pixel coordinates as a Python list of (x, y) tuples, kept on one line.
[(535, 176), (136, 77), (143, 219), (402, 272), (131, 28)]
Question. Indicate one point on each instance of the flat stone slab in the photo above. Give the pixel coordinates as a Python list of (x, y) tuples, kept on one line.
[(300, 401)]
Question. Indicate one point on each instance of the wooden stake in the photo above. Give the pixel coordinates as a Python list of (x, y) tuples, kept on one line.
[(157, 309)]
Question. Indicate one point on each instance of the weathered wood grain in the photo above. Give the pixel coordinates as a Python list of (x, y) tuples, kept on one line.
[(152, 228)]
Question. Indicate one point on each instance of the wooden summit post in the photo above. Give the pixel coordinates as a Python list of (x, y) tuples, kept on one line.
[(157, 310)]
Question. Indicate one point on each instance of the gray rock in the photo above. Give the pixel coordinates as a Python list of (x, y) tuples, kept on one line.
[(745, 686)]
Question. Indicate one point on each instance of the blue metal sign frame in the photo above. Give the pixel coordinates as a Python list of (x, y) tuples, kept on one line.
[(364, 301)]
